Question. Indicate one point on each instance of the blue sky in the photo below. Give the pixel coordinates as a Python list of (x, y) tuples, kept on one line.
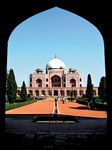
[(73, 39)]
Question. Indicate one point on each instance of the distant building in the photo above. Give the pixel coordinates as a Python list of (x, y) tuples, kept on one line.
[(55, 82)]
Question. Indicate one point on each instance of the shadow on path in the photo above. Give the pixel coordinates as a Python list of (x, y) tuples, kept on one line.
[(80, 107)]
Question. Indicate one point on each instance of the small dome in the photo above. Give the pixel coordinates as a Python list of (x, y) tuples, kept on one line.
[(55, 64), (72, 70), (39, 70)]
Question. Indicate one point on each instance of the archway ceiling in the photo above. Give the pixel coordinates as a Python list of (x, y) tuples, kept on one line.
[(12, 13)]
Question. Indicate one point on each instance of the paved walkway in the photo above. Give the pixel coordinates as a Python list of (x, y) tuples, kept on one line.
[(40, 107), (79, 110), (23, 132), (47, 106)]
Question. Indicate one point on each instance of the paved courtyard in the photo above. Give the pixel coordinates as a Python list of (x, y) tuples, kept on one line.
[(20, 124), (47, 106)]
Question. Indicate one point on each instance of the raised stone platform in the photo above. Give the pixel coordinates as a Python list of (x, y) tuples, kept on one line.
[(86, 133)]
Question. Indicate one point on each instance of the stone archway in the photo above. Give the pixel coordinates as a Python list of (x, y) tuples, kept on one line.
[(56, 81), (101, 20), (37, 92), (62, 93), (81, 92), (39, 82), (73, 82), (55, 92)]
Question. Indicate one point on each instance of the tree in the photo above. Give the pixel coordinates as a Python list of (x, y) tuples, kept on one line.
[(23, 94), (11, 86), (73, 94), (89, 91), (102, 88)]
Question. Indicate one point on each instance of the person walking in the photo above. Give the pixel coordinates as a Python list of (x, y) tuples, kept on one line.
[(55, 102), (62, 100)]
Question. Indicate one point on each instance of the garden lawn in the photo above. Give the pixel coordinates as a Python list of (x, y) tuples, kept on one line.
[(18, 104)]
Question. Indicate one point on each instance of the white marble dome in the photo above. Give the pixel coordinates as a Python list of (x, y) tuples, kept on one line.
[(55, 64)]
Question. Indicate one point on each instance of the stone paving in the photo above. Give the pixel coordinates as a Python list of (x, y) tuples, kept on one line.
[(40, 107), (47, 106), (53, 134), (26, 126), (79, 110)]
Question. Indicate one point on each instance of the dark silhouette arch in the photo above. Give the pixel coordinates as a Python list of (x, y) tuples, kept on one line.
[(93, 11), (73, 82), (37, 92), (56, 81), (43, 92), (30, 92), (55, 93), (39, 82)]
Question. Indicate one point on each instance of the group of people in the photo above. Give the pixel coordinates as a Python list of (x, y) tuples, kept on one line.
[(60, 98)]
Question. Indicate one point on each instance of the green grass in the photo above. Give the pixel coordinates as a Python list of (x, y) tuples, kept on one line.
[(18, 104), (98, 102)]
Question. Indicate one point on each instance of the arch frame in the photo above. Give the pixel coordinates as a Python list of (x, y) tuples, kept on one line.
[(88, 10)]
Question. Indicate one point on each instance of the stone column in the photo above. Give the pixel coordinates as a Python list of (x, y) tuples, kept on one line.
[(108, 65), (3, 69)]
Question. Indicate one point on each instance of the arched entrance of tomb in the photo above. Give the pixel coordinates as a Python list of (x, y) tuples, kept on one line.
[(55, 92), (56, 81), (39, 82), (73, 82), (81, 92), (62, 93), (49, 92), (101, 20), (43, 93), (37, 92), (75, 93), (30, 93), (68, 92)]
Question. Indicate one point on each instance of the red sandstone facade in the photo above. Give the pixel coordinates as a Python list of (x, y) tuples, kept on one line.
[(56, 82)]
